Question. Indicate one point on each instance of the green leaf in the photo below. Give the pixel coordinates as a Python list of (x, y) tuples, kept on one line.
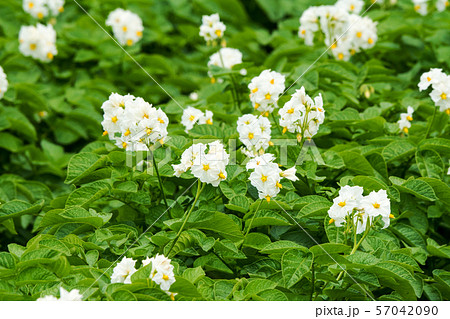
[(440, 145), (397, 150), (357, 163), (416, 187), (409, 234), (295, 263), (280, 246), (194, 274), (266, 217), (184, 288), (87, 194), (10, 142), (74, 214), (314, 209), (83, 164), (256, 286), (16, 208), (256, 240), (429, 164), (329, 248)]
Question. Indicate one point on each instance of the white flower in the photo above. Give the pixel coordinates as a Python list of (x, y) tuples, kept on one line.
[(421, 6), (212, 28), (405, 119), (209, 167), (73, 295), (441, 94), (377, 204), (441, 5), (302, 115), (290, 174), (133, 123), (226, 58), (127, 26), (243, 72), (164, 279), (254, 133), (3, 83), (38, 42), (162, 272), (265, 90), (352, 6), (191, 116), (41, 8), (55, 6), (266, 179), (263, 159), (171, 295), (193, 96), (432, 77), (123, 271), (349, 199)]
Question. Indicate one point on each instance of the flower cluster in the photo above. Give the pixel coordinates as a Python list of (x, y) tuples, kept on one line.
[(440, 83), (38, 41), (161, 272), (207, 162), (405, 120), (267, 175), (351, 206), (265, 90), (254, 133), (345, 32), (302, 115), (191, 116), (3, 83), (226, 58), (41, 8), (64, 295), (421, 6), (133, 123), (127, 26), (212, 28)]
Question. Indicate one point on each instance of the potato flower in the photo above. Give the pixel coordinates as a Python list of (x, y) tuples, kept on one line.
[(38, 41), (3, 83), (191, 116), (123, 271), (226, 58), (405, 120), (265, 90), (64, 295), (440, 84), (127, 26), (254, 133), (212, 28), (41, 8), (162, 272)]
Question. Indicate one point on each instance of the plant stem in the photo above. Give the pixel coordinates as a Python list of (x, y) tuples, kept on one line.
[(199, 190), (254, 215), (276, 123), (431, 124), (159, 180)]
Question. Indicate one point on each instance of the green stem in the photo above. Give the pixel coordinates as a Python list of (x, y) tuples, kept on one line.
[(254, 215), (431, 124), (276, 123), (159, 180), (199, 190)]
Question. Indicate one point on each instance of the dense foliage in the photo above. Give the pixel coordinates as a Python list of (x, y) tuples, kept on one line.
[(72, 203)]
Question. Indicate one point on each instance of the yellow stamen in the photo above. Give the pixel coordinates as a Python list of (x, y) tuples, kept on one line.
[(161, 121), (405, 129), (447, 111), (213, 80), (205, 167), (105, 133), (278, 185), (33, 46), (263, 178), (370, 41), (114, 119), (40, 15), (172, 297), (284, 129), (161, 141), (331, 221), (359, 34), (417, 7), (256, 105), (268, 96), (127, 132), (376, 205), (409, 118), (191, 118), (272, 81), (218, 33), (303, 32), (124, 145), (129, 42), (443, 96), (266, 114), (50, 56), (165, 277), (61, 9), (149, 131), (340, 56), (139, 33), (221, 176), (334, 46), (268, 198), (208, 121), (291, 110), (342, 204), (255, 90), (31, 5), (428, 79), (251, 135), (391, 216), (124, 28), (271, 143), (352, 7)]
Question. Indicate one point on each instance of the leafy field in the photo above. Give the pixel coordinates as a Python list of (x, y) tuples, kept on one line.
[(76, 201)]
